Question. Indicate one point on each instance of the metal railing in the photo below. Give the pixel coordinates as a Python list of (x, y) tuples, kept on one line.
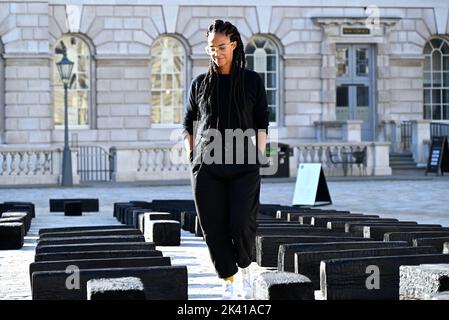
[(406, 135), (94, 163), (439, 129)]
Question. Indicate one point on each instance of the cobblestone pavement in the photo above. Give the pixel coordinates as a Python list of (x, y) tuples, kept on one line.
[(422, 200)]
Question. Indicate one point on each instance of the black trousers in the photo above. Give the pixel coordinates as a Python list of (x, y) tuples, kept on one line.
[(227, 201)]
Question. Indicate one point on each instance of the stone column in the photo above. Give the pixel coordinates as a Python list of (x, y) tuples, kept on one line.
[(378, 160), (420, 134), (126, 162), (352, 131), (320, 131)]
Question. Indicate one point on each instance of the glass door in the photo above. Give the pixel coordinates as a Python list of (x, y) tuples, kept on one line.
[(355, 83)]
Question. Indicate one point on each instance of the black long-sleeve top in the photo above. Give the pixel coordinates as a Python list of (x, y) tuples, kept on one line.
[(253, 115)]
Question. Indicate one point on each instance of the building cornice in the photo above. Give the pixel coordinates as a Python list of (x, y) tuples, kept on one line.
[(338, 21)]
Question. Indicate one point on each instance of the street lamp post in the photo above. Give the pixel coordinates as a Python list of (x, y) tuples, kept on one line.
[(65, 70)]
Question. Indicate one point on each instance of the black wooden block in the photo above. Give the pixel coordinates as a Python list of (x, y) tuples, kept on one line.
[(92, 233), (121, 211), (81, 228), (191, 222), (160, 283), (410, 236), (267, 247), (11, 235), (142, 204), (163, 232), (117, 206), (21, 220), (86, 240), (356, 228), (339, 224), (26, 218), (18, 205), (308, 263), (100, 263), (274, 223), (87, 255), (150, 216), (198, 228), (286, 256), (160, 216), (73, 208), (126, 288), (299, 230), (310, 218), (95, 247), (282, 286), (127, 216), (185, 219), (437, 243), (378, 232), (295, 215), (321, 221), (346, 279), (87, 204)]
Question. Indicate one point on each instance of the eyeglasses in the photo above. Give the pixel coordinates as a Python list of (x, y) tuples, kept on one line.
[(221, 48)]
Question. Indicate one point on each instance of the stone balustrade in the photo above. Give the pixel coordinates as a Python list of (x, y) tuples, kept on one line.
[(33, 166), (165, 162), (159, 162), (169, 162), (29, 165), (376, 162)]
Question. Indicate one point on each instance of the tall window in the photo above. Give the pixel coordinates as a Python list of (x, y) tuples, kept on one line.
[(262, 56), (436, 79), (167, 81), (79, 91)]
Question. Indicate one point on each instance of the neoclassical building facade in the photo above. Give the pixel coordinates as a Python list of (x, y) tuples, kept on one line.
[(348, 71)]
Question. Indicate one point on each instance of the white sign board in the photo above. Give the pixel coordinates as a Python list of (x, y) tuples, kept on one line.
[(310, 185)]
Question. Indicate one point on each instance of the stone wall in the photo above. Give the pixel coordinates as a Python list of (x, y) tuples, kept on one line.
[(120, 38)]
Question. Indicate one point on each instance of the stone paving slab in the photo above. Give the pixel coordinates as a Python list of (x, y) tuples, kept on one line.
[(422, 200)]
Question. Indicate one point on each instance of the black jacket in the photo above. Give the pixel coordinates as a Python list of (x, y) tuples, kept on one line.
[(253, 115)]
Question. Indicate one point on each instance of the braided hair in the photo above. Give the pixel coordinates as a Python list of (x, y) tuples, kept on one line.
[(207, 87)]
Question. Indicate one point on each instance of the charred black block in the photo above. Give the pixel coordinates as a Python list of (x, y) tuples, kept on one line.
[(86, 240), (282, 286), (126, 288), (286, 257), (308, 263), (267, 247), (25, 215), (95, 247), (346, 279), (160, 283), (87, 205), (437, 243), (11, 235), (73, 208), (81, 228), (92, 233), (105, 254), (163, 232)]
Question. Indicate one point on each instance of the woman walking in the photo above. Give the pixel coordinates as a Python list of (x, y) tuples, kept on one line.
[(227, 98)]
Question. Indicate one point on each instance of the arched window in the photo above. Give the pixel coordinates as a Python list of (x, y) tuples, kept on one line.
[(436, 79), (79, 93), (262, 56), (168, 58)]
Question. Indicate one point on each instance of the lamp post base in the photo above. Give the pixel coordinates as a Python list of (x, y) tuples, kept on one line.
[(67, 180)]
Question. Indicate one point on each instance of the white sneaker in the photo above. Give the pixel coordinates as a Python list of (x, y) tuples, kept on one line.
[(228, 291), (247, 284)]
